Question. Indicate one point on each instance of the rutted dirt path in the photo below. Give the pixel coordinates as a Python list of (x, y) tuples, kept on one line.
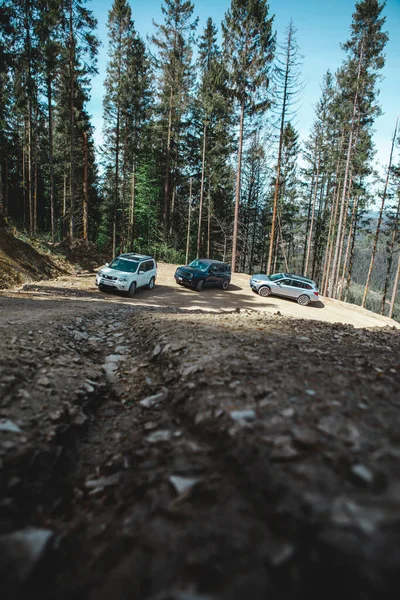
[(81, 289), (171, 454)]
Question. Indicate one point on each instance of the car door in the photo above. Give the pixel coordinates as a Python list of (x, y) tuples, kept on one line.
[(212, 275), (287, 289), (142, 277)]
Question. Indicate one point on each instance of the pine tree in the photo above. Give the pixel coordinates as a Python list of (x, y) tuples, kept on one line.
[(78, 63), (125, 104), (212, 116), (288, 87), (357, 80), (173, 41), (248, 46)]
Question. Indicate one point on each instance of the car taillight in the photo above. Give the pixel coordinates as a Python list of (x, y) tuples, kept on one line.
[(316, 293)]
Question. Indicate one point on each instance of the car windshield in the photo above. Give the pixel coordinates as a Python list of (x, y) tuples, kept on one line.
[(276, 276), (198, 264), (121, 264)]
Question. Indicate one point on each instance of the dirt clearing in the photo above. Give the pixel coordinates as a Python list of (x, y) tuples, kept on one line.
[(156, 449)]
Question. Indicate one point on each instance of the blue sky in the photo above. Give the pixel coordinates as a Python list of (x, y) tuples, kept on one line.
[(322, 25)]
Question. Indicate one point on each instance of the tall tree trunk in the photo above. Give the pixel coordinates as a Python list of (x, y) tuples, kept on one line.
[(307, 224), (209, 213), (72, 122), (278, 168), (167, 165), (331, 237), (132, 210), (395, 286), (203, 164), (238, 181), (85, 188), (348, 246), (335, 266), (188, 225), (378, 227), (310, 233), (351, 258), (390, 257), (51, 159)]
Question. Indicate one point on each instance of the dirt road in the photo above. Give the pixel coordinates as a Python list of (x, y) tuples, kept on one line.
[(158, 449), (167, 294)]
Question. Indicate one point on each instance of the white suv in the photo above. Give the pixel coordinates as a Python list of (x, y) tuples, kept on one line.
[(126, 273)]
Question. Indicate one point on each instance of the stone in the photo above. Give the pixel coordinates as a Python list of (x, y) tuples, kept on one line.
[(243, 415), (155, 399), (103, 482), (162, 435), (182, 484), (7, 425)]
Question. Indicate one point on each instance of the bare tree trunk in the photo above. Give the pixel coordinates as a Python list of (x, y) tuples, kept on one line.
[(72, 121), (278, 168), (348, 246), (85, 188), (310, 233), (346, 175), (188, 225), (203, 163), (395, 286), (329, 246), (237, 196), (209, 212), (132, 210), (51, 160), (167, 165), (29, 181), (35, 177), (390, 257), (350, 269), (378, 227), (342, 235), (307, 224), (64, 207)]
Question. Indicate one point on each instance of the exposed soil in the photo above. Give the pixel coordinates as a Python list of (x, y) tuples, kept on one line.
[(191, 446)]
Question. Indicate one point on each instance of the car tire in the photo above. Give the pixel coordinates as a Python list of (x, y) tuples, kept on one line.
[(151, 284), (225, 284), (102, 288), (264, 291), (200, 285), (132, 290), (303, 300)]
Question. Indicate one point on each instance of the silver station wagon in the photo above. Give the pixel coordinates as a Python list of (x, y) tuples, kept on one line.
[(287, 285)]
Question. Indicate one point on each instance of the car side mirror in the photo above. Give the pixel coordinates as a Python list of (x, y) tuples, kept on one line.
[(141, 272), (279, 283)]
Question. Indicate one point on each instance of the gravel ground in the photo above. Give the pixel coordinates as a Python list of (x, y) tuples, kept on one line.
[(193, 449)]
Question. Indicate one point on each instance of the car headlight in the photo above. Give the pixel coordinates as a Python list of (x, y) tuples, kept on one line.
[(123, 278)]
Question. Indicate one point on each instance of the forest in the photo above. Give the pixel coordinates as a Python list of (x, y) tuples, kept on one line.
[(200, 153)]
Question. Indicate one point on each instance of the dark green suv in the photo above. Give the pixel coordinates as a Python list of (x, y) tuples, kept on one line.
[(204, 272)]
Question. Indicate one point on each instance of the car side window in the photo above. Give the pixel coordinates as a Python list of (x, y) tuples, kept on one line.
[(146, 266), (307, 287), (285, 281)]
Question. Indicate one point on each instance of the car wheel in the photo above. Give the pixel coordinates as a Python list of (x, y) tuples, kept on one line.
[(303, 300), (200, 285), (132, 290), (151, 283), (225, 284), (102, 288), (264, 291)]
